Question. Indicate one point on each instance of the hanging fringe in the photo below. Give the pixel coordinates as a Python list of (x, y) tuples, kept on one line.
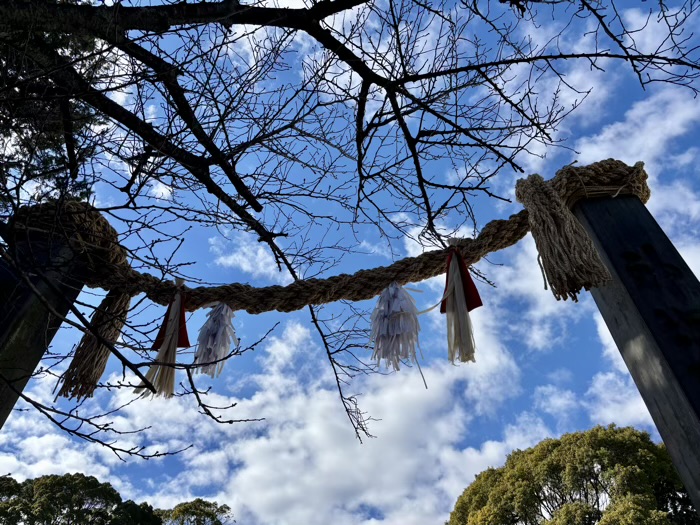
[(90, 360), (460, 297), (216, 338), (171, 336), (569, 260), (395, 327)]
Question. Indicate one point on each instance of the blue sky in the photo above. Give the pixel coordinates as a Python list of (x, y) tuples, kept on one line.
[(542, 367)]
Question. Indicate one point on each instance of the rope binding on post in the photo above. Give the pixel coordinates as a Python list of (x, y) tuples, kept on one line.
[(95, 244)]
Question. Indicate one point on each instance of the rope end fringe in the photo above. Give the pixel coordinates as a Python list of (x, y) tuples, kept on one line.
[(80, 380), (570, 261)]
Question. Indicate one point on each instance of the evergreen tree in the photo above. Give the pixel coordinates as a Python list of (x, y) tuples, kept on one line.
[(69, 499), (197, 512), (604, 476)]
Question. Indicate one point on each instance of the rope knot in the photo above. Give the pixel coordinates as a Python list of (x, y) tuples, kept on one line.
[(570, 262), (607, 178), (95, 247), (90, 236)]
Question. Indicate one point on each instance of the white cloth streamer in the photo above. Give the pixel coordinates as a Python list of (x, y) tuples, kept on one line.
[(216, 338), (460, 336), (162, 376), (395, 327)]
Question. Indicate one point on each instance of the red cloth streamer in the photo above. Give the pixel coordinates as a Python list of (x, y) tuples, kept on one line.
[(470, 291), (183, 340)]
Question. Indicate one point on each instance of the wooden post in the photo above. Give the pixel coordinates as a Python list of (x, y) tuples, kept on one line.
[(27, 325), (652, 308)]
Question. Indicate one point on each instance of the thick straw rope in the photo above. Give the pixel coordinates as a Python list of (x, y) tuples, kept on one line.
[(91, 355), (96, 247), (569, 260), (88, 233), (605, 178), (359, 286)]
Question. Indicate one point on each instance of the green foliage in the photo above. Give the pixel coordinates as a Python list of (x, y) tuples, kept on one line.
[(73, 499), (605, 476), (197, 512), (45, 136), (128, 513), (68, 500), (10, 494)]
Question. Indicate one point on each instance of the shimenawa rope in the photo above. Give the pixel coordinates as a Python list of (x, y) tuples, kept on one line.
[(569, 259)]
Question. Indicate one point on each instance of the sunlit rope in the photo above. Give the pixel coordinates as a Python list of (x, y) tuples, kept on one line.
[(92, 235)]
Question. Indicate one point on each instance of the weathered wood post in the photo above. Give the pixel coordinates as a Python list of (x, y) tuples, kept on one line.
[(652, 308), (39, 281)]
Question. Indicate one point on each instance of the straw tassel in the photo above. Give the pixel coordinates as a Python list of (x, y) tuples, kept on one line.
[(216, 338), (460, 297), (570, 262), (90, 360), (395, 327), (171, 336)]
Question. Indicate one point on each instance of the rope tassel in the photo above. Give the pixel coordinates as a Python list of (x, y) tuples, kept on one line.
[(216, 338), (90, 360), (570, 262), (395, 327), (171, 336), (460, 297)]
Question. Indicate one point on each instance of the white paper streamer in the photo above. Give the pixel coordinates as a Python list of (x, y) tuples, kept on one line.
[(460, 336), (163, 377), (216, 338), (395, 327)]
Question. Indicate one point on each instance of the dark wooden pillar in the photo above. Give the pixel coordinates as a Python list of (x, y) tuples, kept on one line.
[(27, 325), (652, 308)]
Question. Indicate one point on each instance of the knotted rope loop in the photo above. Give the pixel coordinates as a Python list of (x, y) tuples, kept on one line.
[(570, 262), (96, 249), (607, 178), (92, 239)]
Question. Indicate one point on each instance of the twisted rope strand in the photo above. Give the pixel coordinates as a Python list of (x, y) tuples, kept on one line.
[(95, 237)]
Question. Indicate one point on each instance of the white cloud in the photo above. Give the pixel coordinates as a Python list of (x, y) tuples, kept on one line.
[(647, 132), (159, 190), (31, 446), (320, 472), (610, 350), (244, 253), (676, 207), (541, 320), (613, 398), (381, 248), (280, 351), (495, 376), (559, 403), (463, 465), (560, 376), (647, 30), (690, 251), (303, 464)]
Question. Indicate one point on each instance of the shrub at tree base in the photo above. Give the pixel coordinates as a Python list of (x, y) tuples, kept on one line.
[(605, 476)]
